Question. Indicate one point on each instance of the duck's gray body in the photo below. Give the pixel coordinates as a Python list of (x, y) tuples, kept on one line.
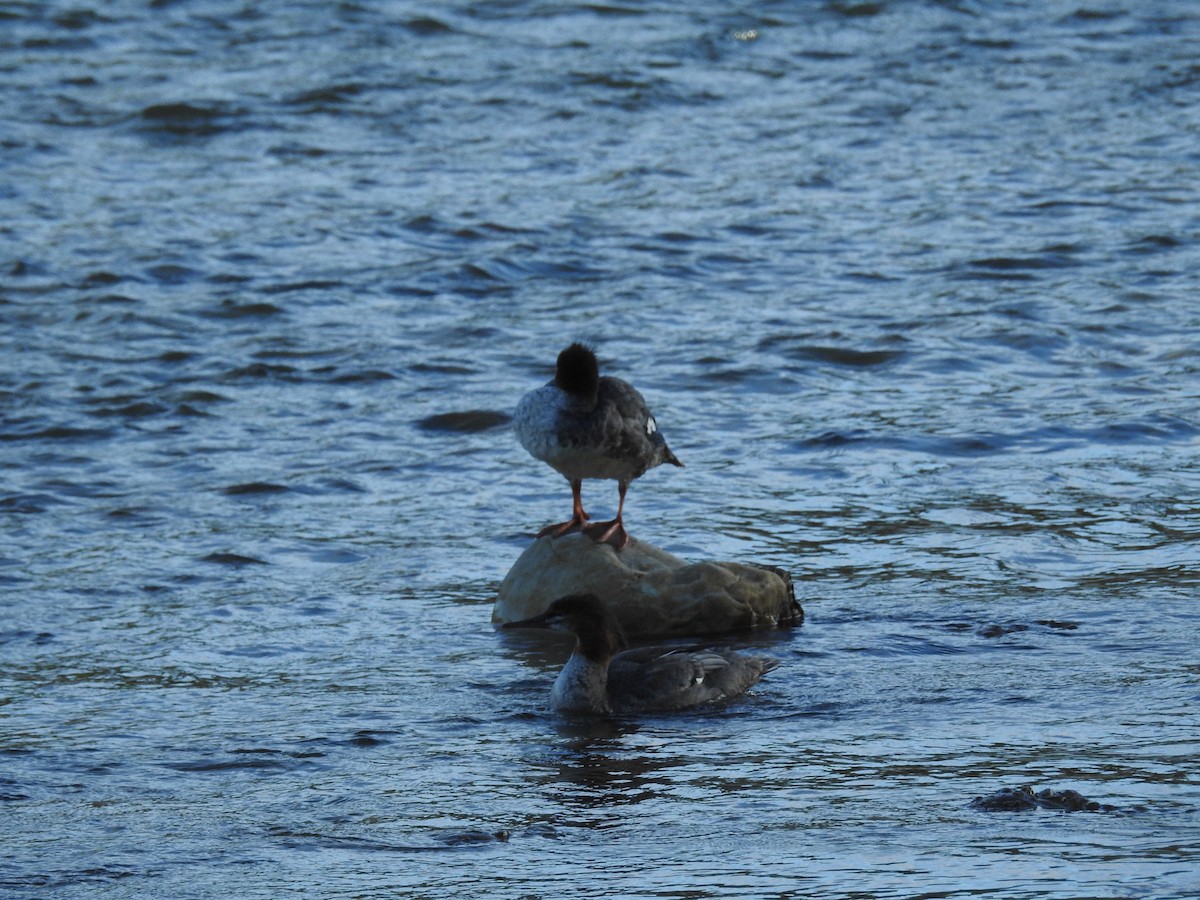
[(613, 437), (602, 678), (588, 426), (655, 679)]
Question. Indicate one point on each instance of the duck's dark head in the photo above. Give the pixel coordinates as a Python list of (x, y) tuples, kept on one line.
[(585, 616), (578, 373)]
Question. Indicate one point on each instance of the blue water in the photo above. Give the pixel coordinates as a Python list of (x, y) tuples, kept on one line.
[(910, 286)]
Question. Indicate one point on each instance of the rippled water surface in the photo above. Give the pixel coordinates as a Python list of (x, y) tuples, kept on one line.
[(911, 287)]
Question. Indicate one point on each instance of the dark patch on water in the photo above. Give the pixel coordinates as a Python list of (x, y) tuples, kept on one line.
[(1042, 440), (370, 739), (438, 840), (98, 279), (188, 120), (328, 98), (427, 26), (254, 488), (231, 309), (363, 377), (838, 356), (297, 152), (1154, 243), (264, 371), (202, 397), (844, 356), (66, 878), (859, 10), (139, 409), (27, 504), (966, 445), (232, 559), (37, 638), (255, 759), (64, 433), (343, 485), (468, 422)]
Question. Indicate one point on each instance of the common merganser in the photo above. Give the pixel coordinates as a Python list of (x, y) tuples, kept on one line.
[(603, 677), (588, 426)]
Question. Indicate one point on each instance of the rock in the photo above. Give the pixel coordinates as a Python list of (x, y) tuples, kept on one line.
[(1007, 800), (1023, 798), (650, 591), (1071, 801)]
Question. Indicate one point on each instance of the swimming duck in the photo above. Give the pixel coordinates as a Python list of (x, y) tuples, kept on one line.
[(603, 677), (588, 426)]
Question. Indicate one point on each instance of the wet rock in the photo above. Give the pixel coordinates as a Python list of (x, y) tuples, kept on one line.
[(651, 591), (1024, 798), (1072, 801), (468, 836), (1007, 800), (997, 630)]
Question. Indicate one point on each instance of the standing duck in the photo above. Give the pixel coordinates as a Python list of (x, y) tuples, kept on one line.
[(588, 426), (603, 677)]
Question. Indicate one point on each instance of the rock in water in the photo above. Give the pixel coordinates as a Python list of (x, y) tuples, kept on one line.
[(649, 590), (1023, 798)]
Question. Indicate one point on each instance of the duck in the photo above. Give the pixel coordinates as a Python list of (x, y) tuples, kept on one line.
[(602, 677), (585, 425)]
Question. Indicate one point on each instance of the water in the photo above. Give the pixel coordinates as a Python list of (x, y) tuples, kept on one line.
[(909, 285)]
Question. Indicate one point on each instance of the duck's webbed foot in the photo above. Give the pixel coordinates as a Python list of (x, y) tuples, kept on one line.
[(562, 528), (579, 517), (612, 533)]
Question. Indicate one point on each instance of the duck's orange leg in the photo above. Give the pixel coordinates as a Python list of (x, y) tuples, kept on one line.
[(578, 520), (612, 533)]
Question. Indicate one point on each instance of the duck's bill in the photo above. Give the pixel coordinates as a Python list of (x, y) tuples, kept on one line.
[(535, 622)]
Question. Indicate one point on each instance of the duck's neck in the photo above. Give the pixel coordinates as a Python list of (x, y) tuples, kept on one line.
[(582, 685)]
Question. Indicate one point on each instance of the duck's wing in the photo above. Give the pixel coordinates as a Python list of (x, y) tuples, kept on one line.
[(628, 427), (666, 678)]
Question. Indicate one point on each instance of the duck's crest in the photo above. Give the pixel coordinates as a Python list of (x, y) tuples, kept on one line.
[(578, 373)]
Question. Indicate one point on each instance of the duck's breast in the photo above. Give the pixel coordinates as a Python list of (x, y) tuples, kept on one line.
[(580, 687)]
